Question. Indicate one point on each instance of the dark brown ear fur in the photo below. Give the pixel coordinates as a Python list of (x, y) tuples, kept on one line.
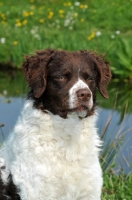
[(35, 70), (104, 72)]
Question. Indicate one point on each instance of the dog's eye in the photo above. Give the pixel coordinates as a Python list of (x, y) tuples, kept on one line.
[(61, 78), (90, 78), (87, 77)]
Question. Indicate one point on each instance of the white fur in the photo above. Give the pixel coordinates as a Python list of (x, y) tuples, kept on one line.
[(51, 158), (72, 94)]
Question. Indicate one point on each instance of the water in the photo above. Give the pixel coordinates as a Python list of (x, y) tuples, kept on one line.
[(10, 109), (11, 104), (115, 130)]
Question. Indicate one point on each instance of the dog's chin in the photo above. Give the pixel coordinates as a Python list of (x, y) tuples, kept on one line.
[(81, 111)]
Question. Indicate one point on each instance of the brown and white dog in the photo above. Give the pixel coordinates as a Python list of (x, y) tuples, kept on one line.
[(52, 153)]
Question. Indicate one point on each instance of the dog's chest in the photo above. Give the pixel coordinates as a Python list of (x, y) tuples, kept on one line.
[(55, 159), (55, 176)]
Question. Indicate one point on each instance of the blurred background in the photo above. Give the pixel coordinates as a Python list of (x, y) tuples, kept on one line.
[(97, 25)]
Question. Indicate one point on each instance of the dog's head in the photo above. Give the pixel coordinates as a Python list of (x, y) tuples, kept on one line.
[(64, 82)]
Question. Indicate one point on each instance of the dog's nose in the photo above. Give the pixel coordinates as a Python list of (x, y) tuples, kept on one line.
[(83, 94)]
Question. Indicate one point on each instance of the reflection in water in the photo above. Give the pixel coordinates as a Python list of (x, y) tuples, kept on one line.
[(120, 97), (9, 111), (115, 132)]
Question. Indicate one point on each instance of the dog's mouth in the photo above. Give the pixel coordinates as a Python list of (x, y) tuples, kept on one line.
[(82, 111), (81, 108)]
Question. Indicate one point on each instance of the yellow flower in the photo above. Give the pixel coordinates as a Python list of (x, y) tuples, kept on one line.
[(25, 14), (25, 22), (31, 13), (15, 42), (90, 37), (75, 14), (82, 19), (41, 20), (50, 14), (3, 16), (81, 6), (19, 24), (69, 4), (1, 3), (61, 11), (31, 1), (85, 6)]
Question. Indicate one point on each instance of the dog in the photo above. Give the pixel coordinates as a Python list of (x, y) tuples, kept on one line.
[(53, 150)]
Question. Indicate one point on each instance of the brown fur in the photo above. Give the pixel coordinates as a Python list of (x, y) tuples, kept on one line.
[(40, 70)]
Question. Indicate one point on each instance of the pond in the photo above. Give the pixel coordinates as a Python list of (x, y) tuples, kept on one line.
[(117, 109)]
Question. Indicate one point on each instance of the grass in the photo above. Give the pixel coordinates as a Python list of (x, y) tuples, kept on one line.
[(117, 187), (72, 25)]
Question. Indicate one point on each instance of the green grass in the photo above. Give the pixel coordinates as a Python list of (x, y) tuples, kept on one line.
[(95, 25), (117, 187)]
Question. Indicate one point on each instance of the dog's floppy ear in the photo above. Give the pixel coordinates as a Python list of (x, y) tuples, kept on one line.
[(104, 72), (35, 70)]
